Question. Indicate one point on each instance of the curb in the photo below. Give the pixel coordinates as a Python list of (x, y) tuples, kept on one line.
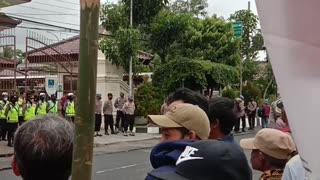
[(112, 143)]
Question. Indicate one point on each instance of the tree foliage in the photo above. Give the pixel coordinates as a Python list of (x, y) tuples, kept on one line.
[(250, 90), (194, 74), (125, 44), (148, 99), (249, 22), (211, 39), (112, 17), (195, 7), (166, 29)]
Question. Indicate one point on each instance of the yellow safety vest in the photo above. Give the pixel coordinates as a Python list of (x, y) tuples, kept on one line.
[(42, 109), (30, 112), (3, 111), (13, 114), (70, 112), (20, 103), (53, 107)]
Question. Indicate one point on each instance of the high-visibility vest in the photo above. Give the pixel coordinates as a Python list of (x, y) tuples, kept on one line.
[(3, 111), (70, 112), (20, 103), (13, 114), (30, 112), (42, 109), (53, 107)]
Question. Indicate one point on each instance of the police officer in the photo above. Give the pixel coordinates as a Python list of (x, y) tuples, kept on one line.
[(29, 109), (21, 102), (69, 107), (3, 118), (120, 116), (12, 114), (52, 106), (42, 105)]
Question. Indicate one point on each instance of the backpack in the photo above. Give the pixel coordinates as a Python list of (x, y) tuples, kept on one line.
[(261, 112)]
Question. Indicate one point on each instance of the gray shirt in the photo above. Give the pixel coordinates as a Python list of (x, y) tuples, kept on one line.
[(98, 106), (119, 103), (128, 108), (107, 107)]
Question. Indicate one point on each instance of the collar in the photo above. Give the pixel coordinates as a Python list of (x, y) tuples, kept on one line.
[(227, 138)]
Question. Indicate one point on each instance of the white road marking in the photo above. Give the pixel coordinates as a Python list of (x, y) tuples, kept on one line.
[(122, 167)]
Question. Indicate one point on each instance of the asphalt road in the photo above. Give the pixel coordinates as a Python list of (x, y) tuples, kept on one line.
[(131, 165)]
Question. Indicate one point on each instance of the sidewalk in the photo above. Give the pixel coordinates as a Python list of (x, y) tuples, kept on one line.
[(6, 151)]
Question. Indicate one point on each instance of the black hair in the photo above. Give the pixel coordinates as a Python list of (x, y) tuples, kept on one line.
[(188, 96), (109, 94), (224, 111)]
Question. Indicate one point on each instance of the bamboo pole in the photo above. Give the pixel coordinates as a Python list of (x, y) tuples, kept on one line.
[(84, 121)]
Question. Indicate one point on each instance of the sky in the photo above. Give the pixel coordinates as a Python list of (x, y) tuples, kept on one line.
[(66, 13)]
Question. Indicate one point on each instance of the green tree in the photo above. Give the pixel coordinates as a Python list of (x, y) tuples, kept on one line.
[(148, 99), (125, 44), (195, 7), (113, 17), (144, 11), (249, 22), (167, 28), (211, 39)]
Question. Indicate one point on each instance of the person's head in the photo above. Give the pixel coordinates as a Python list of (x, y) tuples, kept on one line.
[(122, 95), (5, 96), (30, 99), (207, 160), (98, 96), (266, 101), (130, 99), (185, 95), (70, 96), (13, 98), (53, 97), (23, 95), (42, 96), (251, 99), (271, 149), (222, 115), (183, 122), (242, 97), (110, 96), (43, 149)]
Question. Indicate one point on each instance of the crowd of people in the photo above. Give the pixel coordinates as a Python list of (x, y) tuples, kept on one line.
[(16, 110), (196, 143)]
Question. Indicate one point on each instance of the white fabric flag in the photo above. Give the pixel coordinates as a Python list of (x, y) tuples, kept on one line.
[(292, 36)]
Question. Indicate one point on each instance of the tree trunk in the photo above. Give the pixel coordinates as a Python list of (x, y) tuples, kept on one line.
[(266, 90), (84, 121)]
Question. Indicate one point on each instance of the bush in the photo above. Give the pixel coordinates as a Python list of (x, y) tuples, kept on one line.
[(148, 100), (250, 90), (229, 93)]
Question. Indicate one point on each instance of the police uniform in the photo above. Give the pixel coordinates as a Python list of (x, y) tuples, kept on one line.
[(69, 108), (21, 103), (30, 111), (52, 107), (3, 118), (12, 120), (42, 106)]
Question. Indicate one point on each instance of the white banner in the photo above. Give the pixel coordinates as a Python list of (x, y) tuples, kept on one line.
[(292, 37)]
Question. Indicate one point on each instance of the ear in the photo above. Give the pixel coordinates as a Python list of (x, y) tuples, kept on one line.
[(14, 166), (191, 135), (215, 124)]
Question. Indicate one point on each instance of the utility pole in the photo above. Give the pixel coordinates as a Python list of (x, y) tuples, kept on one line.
[(241, 63), (130, 66), (86, 96)]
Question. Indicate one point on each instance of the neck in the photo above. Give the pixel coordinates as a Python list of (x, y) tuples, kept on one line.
[(217, 134)]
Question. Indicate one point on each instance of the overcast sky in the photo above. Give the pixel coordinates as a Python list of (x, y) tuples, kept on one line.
[(66, 13)]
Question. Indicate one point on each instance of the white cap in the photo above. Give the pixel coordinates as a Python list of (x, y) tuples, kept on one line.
[(70, 94), (4, 94), (42, 94)]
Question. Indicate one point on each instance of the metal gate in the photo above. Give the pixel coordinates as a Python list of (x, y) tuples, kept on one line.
[(45, 58), (8, 61)]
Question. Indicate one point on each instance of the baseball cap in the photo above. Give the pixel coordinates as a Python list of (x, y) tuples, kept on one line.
[(4, 94), (272, 142), (184, 115), (70, 94), (207, 160)]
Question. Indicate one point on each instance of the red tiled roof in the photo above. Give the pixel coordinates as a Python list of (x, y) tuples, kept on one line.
[(66, 47), (6, 61), (7, 22)]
